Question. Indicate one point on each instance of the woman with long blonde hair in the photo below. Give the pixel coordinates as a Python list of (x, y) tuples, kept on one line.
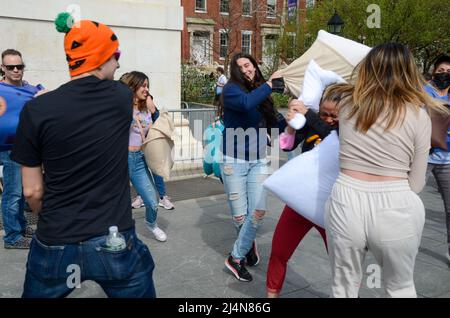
[(384, 135)]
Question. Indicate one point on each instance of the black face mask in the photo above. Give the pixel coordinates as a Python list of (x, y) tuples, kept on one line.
[(441, 80)]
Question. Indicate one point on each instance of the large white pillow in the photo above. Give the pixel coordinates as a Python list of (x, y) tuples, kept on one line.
[(314, 84), (305, 182), (329, 51)]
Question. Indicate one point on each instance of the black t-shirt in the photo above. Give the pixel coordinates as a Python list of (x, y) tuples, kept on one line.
[(79, 134)]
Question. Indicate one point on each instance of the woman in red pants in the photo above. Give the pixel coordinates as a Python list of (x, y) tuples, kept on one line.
[(292, 227)]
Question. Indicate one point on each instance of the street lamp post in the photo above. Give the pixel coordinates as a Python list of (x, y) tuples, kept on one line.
[(335, 25)]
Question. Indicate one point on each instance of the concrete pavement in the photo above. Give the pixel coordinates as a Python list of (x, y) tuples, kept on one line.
[(200, 235)]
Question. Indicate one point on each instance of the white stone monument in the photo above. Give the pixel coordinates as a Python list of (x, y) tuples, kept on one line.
[(149, 33)]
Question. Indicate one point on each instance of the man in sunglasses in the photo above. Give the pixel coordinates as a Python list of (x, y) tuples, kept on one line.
[(15, 93), (78, 134), (12, 67)]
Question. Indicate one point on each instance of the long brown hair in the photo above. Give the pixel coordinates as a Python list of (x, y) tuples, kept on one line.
[(134, 80), (266, 108), (387, 82)]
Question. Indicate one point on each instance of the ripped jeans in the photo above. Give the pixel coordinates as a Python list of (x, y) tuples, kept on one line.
[(245, 193)]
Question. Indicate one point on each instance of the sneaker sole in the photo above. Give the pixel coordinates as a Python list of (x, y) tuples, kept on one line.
[(162, 205), (235, 273), (16, 248), (161, 240)]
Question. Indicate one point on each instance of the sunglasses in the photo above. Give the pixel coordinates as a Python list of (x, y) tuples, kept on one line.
[(327, 114), (117, 55), (19, 67)]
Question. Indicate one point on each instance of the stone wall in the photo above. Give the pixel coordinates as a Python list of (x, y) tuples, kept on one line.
[(149, 33)]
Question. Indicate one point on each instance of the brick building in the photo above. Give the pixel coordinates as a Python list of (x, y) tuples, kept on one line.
[(214, 29)]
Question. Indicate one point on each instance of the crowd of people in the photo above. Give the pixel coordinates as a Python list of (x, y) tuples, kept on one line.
[(77, 148)]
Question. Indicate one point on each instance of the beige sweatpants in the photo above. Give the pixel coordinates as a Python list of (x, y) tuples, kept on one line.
[(386, 218)]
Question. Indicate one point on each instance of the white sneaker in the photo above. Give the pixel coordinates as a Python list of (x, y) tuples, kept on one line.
[(166, 204), (137, 203), (159, 234)]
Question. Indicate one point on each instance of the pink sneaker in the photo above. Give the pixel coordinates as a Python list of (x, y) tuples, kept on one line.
[(166, 204), (137, 203)]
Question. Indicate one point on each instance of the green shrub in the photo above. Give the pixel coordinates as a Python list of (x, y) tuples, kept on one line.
[(197, 84), (280, 100)]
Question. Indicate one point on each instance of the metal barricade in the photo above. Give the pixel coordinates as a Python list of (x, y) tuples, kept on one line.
[(190, 124)]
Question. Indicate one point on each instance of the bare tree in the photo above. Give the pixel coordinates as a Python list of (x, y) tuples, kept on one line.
[(230, 26)]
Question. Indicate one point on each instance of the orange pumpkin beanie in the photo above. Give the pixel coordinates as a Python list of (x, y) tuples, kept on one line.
[(88, 44)]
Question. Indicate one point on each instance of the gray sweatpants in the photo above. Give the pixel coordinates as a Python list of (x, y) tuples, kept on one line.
[(442, 175), (386, 218)]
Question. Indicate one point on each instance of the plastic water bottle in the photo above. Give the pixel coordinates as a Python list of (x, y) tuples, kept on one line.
[(115, 241)]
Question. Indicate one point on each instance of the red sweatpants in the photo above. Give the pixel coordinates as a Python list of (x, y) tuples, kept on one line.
[(290, 230)]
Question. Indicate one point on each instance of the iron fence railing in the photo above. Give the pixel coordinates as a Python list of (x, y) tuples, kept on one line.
[(190, 123)]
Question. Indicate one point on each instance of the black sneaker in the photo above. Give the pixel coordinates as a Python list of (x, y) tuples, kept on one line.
[(29, 232), (22, 244), (238, 269), (252, 256)]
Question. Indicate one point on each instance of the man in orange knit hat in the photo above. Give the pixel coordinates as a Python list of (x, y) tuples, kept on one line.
[(79, 134)]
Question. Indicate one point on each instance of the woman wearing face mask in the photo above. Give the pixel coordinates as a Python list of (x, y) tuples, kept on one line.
[(247, 111), (144, 114), (439, 160)]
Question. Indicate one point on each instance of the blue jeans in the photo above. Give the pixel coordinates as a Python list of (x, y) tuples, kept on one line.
[(160, 185), (54, 271), (14, 220), (243, 185), (142, 180)]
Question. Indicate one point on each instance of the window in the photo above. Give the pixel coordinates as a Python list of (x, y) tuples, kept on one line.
[(223, 44), (200, 50), (271, 8), (200, 5), (270, 50), (224, 7), (247, 7), (246, 45), (310, 4)]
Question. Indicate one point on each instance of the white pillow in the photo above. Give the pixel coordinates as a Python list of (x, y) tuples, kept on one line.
[(331, 52), (305, 182), (314, 84), (315, 81)]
